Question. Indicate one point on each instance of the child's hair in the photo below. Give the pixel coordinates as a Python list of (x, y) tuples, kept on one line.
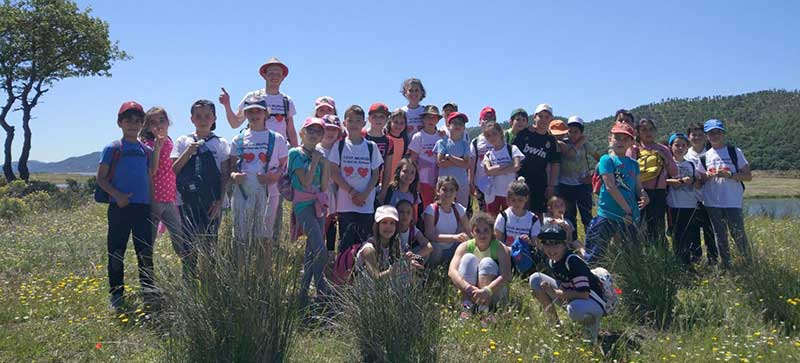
[(129, 113), (446, 180), (519, 188), (552, 200), (481, 217), (394, 243), (203, 103), (395, 183), (624, 112), (489, 125), (354, 109), (149, 118), (458, 121), (410, 82), (695, 127), (398, 112), (403, 202)]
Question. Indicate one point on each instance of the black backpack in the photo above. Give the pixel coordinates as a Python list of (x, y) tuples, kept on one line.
[(199, 180), (734, 159)]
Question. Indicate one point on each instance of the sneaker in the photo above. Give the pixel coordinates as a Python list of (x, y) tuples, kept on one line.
[(117, 303), (466, 312), (590, 331)]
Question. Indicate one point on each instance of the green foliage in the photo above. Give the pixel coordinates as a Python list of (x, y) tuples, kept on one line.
[(12, 208)]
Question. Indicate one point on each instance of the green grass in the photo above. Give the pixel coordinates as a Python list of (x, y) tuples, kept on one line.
[(60, 178), (53, 308)]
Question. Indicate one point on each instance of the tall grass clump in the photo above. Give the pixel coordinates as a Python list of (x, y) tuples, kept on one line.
[(237, 308), (391, 319)]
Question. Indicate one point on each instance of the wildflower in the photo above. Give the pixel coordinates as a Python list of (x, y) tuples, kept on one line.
[(556, 354), (98, 346)]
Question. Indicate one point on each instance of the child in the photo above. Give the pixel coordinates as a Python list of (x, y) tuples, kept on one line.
[(572, 284), (655, 164), (478, 149), (281, 107), (379, 255), (257, 159), (542, 161), (578, 158), (355, 166), (412, 241), (480, 268), (502, 163), (421, 151), (309, 173), (556, 209), (516, 221), (518, 121), (697, 137), (414, 92), (124, 173), (682, 200), (445, 222), (449, 108), (201, 193), (723, 170), (333, 133), (324, 106), (617, 208), (404, 186), (452, 154), (398, 145), (377, 116)]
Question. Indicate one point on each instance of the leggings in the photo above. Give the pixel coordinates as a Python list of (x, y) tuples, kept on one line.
[(316, 255)]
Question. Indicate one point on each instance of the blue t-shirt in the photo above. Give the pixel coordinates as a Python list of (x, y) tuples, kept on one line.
[(130, 170), (457, 148), (299, 160), (626, 172)]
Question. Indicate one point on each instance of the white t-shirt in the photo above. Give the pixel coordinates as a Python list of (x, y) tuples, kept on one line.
[(448, 224), (517, 225), (405, 244), (254, 154), (684, 195), (694, 157), (413, 118), (722, 192), (278, 116), (218, 146), (422, 143), (501, 157), (361, 263), (483, 148), (356, 169)]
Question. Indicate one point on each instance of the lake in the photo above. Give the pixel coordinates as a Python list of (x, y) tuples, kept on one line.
[(778, 207)]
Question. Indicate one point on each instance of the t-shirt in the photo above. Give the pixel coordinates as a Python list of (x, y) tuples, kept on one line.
[(356, 169), (422, 143), (573, 170), (405, 244), (527, 224), (459, 149), (501, 157), (478, 148), (218, 146), (447, 221), (255, 146), (278, 116), (398, 195), (509, 136), (299, 160), (164, 190), (669, 164), (539, 150), (694, 157), (397, 149), (382, 142), (332, 187), (361, 262), (573, 273), (131, 170), (413, 118), (683, 196), (722, 192), (626, 173)]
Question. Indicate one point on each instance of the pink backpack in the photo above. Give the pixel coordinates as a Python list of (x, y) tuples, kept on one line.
[(343, 267)]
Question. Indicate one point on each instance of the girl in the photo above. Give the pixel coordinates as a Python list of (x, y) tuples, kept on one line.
[(154, 133), (333, 133), (398, 145), (516, 221), (655, 165), (324, 106), (421, 151), (378, 256), (412, 241), (556, 211), (682, 200), (445, 222), (309, 176), (414, 92), (481, 267), (572, 284), (404, 186), (501, 163)]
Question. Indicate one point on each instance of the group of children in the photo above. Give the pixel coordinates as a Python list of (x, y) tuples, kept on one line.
[(381, 187)]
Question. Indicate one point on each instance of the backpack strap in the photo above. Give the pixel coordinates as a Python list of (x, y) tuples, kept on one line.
[(475, 147), (239, 149), (703, 162), (270, 148), (493, 246), (505, 224), (285, 106), (389, 195), (734, 157), (340, 146), (116, 154), (435, 214)]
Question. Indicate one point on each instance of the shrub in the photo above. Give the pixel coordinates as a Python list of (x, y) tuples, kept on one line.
[(12, 208), (15, 189), (38, 201)]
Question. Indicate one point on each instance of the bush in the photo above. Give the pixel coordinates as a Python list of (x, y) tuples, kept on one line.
[(38, 201), (12, 208), (15, 189), (698, 307)]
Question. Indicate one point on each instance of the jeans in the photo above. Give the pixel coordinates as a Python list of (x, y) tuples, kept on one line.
[(122, 222), (703, 222), (578, 199), (316, 255), (653, 220), (724, 220), (600, 232), (685, 232), (586, 311)]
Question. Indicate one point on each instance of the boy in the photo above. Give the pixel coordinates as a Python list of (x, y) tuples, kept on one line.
[(697, 138), (200, 161), (723, 170), (421, 151), (518, 122), (478, 148), (282, 111), (377, 116), (257, 157), (578, 158), (355, 165), (542, 159), (124, 173), (617, 209), (452, 154)]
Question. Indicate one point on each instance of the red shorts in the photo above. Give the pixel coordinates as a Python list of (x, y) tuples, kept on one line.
[(498, 205), (426, 192)]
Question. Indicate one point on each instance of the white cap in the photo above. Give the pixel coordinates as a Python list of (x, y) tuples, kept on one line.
[(386, 211), (574, 120), (543, 107)]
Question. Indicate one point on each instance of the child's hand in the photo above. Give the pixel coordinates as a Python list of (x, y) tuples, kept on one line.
[(359, 199), (224, 98), (192, 149), (559, 294), (482, 296), (238, 178), (316, 156), (525, 238), (263, 179), (159, 141), (644, 200), (462, 237), (122, 199)]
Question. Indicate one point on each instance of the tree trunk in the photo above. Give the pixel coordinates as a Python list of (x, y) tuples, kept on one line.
[(22, 166), (8, 170)]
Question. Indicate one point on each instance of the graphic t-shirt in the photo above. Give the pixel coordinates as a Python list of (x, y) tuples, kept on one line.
[(683, 196), (626, 172), (572, 272), (501, 157), (299, 160), (460, 149), (413, 118), (218, 147), (539, 150), (573, 170), (278, 116), (694, 157), (515, 226), (164, 190), (448, 224), (254, 150), (382, 142), (131, 170), (478, 148), (722, 192), (356, 169), (422, 143)]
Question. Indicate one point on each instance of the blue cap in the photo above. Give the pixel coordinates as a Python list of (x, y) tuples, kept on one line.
[(713, 124), (676, 135)]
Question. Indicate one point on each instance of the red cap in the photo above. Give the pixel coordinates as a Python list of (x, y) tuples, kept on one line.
[(456, 115), (313, 121), (378, 107), (487, 110), (622, 128), (130, 105)]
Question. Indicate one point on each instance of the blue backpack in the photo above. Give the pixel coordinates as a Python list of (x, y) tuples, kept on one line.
[(521, 255)]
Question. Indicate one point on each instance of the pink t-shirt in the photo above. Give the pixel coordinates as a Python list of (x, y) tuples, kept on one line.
[(164, 182)]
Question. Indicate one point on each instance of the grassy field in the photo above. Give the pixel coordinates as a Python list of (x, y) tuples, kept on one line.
[(772, 187), (53, 308), (60, 178)]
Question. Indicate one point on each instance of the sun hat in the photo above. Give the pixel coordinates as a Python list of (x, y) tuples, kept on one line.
[(558, 128), (386, 211), (622, 128), (432, 110), (324, 101), (263, 69), (713, 124), (543, 107)]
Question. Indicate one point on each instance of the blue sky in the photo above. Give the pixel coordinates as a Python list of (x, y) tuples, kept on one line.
[(584, 58)]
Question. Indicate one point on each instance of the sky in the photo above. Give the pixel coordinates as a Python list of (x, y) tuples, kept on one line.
[(583, 58)]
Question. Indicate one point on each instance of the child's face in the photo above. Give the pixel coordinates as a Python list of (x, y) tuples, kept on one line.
[(354, 123), (555, 252), (256, 116), (203, 117), (556, 208), (398, 125), (698, 138), (493, 137), (716, 137), (323, 111), (679, 147), (331, 135), (413, 94), (312, 135), (517, 201), (647, 133), (456, 130), (131, 125), (274, 74), (159, 125), (447, 193), (574, 133), (519, 122), (482, 232), (407, 174), (387, 227), (625, 119), (447, 111), (620, 143), (377, 120), (543, 119), (405, 212), (430, 121)]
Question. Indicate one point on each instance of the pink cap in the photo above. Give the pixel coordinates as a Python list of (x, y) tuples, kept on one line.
[(324, 101), (314, 121)]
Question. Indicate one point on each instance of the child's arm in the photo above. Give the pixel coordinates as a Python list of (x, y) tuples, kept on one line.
[(103, 183), (458, 162), (234, 119), (430, 232), (373, 181), (427, 248), (371, 263), (644, 200), (156, 156), (443, 160), (181, 161), (413, 155), (555, 168), (306, 175), (570, 294), (237, 177), (216, 206), (611, 188), (326, 175), (291, 134), (272, 177)]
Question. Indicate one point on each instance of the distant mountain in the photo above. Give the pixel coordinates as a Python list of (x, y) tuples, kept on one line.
[(76, 164)]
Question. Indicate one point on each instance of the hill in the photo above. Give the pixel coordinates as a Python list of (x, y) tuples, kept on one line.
[(76, 164)]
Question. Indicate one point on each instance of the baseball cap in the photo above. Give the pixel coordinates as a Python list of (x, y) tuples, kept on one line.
[(574, 120), (254, 102), (380, 107), (552, 234), (324, 101), (432, 110), (451, 104), (713, 124), (558, 128), (311, 121), (543, 107), (622, 128), (263, 69), (486, 111), (386, 211), (677, 135), (518, 111), (332, 121), (130, 105), (455, 115)]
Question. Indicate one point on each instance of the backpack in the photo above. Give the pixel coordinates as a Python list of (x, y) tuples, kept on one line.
[(597, 180), (100, 195), (346, 259), (521, 255), (734, 159), (436, 214), (609, 299), (198, 181), (239, 142), (651, 164)]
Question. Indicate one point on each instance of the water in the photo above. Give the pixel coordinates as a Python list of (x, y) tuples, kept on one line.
[(778, 208)]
